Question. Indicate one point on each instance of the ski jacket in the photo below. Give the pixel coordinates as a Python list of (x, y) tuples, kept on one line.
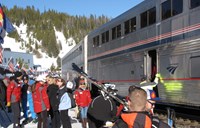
[(52, 94), (82, 97), (137, 120), (64, 99), (13, 92), (40, 98)]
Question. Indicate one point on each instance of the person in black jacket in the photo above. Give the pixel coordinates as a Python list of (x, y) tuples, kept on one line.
[(54, 102), (24, 95), (101, 110)]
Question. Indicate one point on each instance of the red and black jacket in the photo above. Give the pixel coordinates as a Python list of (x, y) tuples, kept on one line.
[(13, 92), (137, 120), (40, 98)]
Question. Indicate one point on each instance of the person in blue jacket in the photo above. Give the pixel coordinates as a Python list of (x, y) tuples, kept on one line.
[(30, 101)]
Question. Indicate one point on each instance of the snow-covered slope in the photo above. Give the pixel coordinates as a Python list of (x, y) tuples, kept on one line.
[(45, 61)]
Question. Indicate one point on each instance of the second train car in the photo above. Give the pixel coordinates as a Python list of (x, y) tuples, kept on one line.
[(156, 36)]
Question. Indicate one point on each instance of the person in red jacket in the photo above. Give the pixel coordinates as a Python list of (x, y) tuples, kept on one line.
[(14, 97), (83, 100), (40, 101)]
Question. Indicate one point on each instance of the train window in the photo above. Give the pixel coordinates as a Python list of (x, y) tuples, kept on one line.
[(130, 26), (116, 32), (177, 7), (148, 17), (96, 41), (171, 8), (143, 19), (166, 9), (194, 3), (152, 16), (105, 37)]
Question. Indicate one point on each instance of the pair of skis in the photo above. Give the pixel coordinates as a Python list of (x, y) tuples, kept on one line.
[(100, 86)]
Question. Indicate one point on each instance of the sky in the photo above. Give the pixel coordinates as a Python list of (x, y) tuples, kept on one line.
[(109, 8)]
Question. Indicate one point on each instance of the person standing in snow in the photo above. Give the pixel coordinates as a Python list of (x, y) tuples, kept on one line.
[(14, 97), (41, 101), (30, 100), (65, 103), (24, 98), (83, 100), (54, 102)]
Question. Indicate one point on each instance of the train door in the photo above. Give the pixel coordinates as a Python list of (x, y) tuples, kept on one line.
[(150, 64)]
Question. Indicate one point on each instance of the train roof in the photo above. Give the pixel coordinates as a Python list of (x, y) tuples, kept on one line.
[(134, 11), (73, 49)]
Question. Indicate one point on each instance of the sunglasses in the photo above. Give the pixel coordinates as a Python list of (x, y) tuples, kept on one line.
[(152, 104), (82, 83), (58, 80)]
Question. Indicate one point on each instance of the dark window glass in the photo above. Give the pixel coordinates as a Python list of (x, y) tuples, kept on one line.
[(103, 38), (133, 24), (118, 31), (130, 25), (107, 36), (126, 27), (152, 16), (177, 7), (194, 3), (114, 33), (96, 41), (143, 18), (166, 9), (93, 42)]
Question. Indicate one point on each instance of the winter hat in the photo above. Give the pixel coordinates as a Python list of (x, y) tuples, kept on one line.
[(41, 78), (17, 74), (31, 82), (151, 95)]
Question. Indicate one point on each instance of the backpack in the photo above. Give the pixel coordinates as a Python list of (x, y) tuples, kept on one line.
[(73, 102)]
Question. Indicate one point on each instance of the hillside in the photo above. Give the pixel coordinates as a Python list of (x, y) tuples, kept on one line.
[(37, 32)]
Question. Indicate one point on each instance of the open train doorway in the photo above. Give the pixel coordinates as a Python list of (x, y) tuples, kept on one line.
[(150, 65)]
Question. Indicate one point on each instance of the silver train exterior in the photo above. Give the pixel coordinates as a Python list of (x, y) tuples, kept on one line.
[(77, 55), (156, 36)]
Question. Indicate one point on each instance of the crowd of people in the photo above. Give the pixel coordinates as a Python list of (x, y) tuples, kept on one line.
[(49, 96)]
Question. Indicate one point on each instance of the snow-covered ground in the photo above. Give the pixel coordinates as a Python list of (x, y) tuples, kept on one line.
[(5, 123), (45, 61)]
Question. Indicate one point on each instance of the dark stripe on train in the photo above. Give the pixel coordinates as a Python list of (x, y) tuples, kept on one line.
[(165, 79), (152, 44)]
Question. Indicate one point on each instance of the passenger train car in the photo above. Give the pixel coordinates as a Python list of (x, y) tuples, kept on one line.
[(156, 36)]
